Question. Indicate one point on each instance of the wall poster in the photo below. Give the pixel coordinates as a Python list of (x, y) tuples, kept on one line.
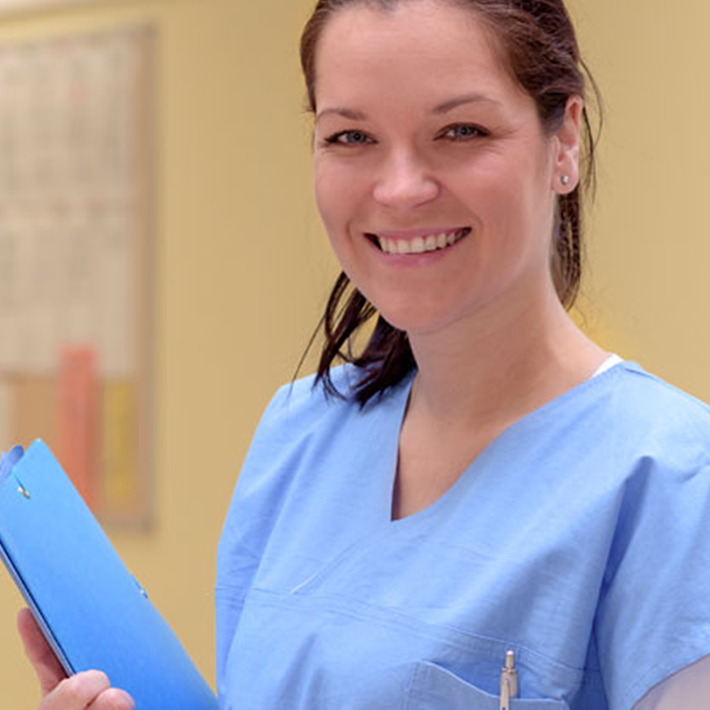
[(76, 229)]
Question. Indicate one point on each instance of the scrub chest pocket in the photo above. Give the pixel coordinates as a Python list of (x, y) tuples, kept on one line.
[(435, 688)]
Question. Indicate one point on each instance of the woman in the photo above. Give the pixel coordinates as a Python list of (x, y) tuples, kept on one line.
[(483, 479)]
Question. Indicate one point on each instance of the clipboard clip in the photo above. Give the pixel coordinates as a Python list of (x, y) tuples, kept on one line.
[(7, 465), (508, 681)]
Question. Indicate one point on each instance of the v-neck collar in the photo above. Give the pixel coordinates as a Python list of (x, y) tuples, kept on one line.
[(392, 426)]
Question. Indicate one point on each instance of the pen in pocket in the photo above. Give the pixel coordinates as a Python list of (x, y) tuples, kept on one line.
[(508, 681)]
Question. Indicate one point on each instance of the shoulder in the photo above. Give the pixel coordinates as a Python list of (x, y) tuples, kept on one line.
[(660, 513), (303, 404), (301, 433), (296, 416), (658, 418), (644, 387), (301, 419)]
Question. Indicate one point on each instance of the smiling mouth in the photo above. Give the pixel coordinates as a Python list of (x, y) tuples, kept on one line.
[(419, 245)]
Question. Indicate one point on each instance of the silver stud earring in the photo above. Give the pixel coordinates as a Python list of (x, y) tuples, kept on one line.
[(565, 180)]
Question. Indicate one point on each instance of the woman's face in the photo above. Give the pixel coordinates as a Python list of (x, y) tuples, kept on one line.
[(423, 139)]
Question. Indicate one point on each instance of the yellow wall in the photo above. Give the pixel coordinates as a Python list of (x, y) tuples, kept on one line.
[(649, 251), (243, 270)]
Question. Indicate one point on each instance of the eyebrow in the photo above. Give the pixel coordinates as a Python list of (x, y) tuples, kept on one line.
[(451, 104), (344, 112), (445, 107)]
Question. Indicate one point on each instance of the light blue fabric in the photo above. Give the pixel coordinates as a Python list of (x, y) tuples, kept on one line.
[(579, 539)]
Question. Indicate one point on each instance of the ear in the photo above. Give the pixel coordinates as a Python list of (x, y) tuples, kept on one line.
[(566, 142)]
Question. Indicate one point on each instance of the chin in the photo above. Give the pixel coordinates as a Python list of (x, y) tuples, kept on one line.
[(415, 320)]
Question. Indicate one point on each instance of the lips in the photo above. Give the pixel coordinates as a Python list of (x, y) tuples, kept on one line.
[(418, 242)]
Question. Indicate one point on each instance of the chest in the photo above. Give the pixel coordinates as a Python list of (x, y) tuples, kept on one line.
[(356, 611), (434, 598), (428, 466)]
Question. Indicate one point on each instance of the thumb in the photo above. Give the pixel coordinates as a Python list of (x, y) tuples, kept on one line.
[(40, 654)]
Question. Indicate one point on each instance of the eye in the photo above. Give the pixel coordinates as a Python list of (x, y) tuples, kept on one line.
[(349, 138), (464, 132)]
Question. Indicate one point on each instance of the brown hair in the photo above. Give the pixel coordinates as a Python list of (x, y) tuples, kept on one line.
[(539, 45)]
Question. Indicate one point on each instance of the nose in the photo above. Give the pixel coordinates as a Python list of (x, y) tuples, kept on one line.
[(404, 181)]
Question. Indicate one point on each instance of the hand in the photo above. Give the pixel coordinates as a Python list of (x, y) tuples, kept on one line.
[(89, 690)]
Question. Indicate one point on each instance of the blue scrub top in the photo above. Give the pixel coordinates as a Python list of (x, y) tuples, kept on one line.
[(578, 539)]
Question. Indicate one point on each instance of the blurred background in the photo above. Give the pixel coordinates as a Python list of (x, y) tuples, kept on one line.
[(213, 268)]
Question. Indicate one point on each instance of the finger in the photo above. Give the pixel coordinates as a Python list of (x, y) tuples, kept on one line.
[(77, 692), (40, 654), (113, 699)]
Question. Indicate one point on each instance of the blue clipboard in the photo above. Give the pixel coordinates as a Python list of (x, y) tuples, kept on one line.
[(91, 609)]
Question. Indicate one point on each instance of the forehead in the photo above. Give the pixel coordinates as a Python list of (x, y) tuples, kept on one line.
[(420, 47)]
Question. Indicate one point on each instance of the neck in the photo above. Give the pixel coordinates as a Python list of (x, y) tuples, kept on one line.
[(493, 368)]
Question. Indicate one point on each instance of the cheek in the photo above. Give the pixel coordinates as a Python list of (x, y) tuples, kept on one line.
[(505, 191), (493, 193), (332, 201), (506, 199), (331, 197), (341, 194)]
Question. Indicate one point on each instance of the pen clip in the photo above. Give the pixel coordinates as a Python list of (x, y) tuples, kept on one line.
[(504, 694), (508, 681)]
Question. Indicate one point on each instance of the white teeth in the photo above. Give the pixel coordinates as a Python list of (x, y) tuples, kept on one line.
[(420, 245), (417, 245)]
